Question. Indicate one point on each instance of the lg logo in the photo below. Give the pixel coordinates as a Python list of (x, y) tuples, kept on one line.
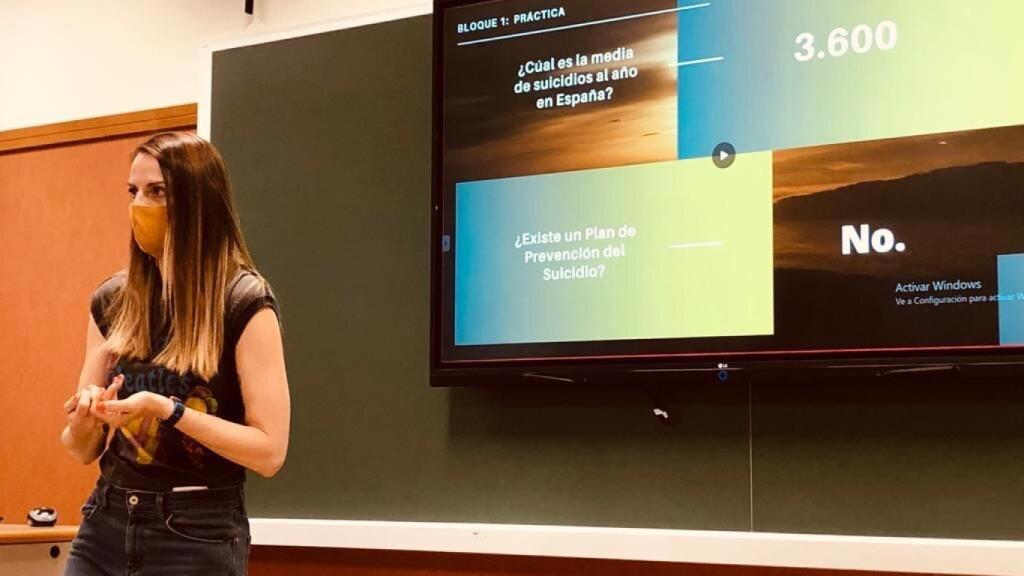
[(862, 240)]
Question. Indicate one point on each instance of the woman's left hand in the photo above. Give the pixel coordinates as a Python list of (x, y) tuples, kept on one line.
[(118, 413)]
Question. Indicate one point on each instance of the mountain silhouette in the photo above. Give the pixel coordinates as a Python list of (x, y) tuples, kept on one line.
[(979, 191), (954, 222)]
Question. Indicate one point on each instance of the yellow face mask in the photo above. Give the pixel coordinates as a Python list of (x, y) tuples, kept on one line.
[(149, 225)]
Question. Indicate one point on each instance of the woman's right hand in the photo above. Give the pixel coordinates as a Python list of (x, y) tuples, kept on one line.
[(85, 436), (79, 408), (80, 421)]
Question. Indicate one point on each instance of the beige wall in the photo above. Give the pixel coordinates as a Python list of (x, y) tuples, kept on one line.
[(66, 60)]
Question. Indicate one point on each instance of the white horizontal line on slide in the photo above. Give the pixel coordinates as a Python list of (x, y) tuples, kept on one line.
[(701, 61), (718, 244)]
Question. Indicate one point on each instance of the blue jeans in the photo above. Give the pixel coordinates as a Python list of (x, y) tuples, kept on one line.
[(139, 533)]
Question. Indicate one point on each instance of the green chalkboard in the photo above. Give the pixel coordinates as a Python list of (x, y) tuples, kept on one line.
[(328, 141)]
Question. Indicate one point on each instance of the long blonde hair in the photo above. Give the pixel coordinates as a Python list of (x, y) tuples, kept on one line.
[(203, 250)]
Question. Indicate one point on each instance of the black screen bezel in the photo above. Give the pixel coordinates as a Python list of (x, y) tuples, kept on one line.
[(502, 365)]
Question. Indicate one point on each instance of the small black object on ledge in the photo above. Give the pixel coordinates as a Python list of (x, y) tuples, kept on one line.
[(42, 517)]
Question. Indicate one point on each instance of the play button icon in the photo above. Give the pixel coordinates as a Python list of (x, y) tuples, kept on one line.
[(723, 155)]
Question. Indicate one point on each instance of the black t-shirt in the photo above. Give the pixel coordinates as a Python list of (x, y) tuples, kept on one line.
[(145, 454)]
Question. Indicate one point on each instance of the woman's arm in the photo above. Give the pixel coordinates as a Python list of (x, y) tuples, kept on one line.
[(85, 435), (262, 442)]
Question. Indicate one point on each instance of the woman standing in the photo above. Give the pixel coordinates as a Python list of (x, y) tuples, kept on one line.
[(185, 365)]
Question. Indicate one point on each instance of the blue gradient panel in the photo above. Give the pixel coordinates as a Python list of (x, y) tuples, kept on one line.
[(760, 97), (692, 266), (1011, 312)]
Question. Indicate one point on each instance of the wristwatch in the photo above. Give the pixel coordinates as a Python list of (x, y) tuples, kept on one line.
[(177, 413)]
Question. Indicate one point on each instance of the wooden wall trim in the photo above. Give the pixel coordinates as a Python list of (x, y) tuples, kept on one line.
[(114, 126), (25, 534), (296, 561)]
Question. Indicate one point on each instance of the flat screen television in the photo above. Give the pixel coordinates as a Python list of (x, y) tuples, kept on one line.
[(629, 186)]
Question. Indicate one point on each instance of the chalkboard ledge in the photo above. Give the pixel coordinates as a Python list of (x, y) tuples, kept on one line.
[(927, 555)]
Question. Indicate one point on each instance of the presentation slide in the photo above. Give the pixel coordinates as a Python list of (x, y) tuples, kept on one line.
[(732, 176)]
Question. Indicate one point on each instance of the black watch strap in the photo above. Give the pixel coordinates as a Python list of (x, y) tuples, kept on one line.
[(177, 413)]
